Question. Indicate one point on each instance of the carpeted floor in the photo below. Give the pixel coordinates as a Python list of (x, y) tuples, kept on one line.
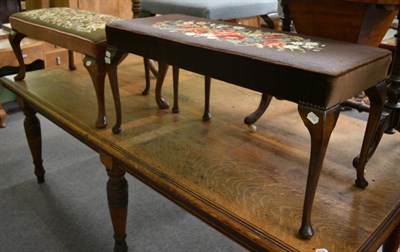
[(69, 212)]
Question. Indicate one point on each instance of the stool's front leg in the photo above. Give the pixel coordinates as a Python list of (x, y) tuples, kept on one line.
[(117, 194), (207, 90), (112, 59), (320, 124), (175, 81), (15, 39), (97, 71), (34, 137)]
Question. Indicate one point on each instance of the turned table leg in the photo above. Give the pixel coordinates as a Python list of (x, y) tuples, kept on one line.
[(117, 195), (2, 116), (392, 244), (34, 137), (320, 124)]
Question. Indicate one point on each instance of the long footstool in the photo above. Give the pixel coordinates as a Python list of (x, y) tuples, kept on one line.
[(317, 74)]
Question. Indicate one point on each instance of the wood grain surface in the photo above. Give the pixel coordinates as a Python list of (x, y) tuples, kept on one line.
[(248, 186)]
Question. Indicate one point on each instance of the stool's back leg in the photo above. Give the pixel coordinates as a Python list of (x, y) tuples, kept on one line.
[(377, 120), (15, 39)]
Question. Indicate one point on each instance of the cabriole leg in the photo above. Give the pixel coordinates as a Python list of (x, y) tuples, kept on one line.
[(320, 124), (373, 132), (97, 71), (15, 39), (162, 71), (113, 58), (207, 90)]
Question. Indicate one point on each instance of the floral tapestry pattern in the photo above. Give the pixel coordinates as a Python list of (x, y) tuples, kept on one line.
[(240, 35), (71, 19)]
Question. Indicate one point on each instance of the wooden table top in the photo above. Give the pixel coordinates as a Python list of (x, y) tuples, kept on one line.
[(248, 186)]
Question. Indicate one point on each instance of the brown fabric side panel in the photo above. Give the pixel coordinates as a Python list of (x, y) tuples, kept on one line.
[(358, 80), (279, 80)]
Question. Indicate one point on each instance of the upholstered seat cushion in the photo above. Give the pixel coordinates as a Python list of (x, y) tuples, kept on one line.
[(221, 9), (78, 30), (299, 68)]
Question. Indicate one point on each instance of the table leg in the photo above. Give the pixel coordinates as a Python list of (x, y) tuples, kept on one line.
[(34, 137), (117, 194), (2, 116), (393, 242)]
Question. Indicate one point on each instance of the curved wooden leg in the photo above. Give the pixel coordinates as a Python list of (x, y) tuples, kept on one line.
[(262, 107), (175, 80), (146, 63), (113, 58), (392, 244), (162, 71), (153, 68), (34, 137), (207, 90), (15, 39), (117, 195), (71, 60), (393, 102), (373, 134), (97, 71), (320, 124)]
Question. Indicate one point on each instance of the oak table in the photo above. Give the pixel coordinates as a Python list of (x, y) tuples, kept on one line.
[(248, 186)]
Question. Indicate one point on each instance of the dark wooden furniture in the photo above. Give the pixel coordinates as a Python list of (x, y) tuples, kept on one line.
[(86, 38), (247, 186), (318, 88), (362, 22), (33, 56), (31, 49)]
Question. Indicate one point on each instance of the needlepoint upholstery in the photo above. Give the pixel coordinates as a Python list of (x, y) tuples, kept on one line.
[(71, 25), (221, 9)]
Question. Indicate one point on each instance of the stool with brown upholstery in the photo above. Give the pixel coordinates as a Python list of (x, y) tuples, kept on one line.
[(77, 30), (318, 74)]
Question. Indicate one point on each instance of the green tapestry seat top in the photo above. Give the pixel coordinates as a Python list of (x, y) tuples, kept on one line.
[(86, 24)]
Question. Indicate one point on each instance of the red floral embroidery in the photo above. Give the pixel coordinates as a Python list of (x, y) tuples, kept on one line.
[(240, 35)]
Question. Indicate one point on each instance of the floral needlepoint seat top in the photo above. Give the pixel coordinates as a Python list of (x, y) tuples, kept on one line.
[(240, 35), (86, 24)]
